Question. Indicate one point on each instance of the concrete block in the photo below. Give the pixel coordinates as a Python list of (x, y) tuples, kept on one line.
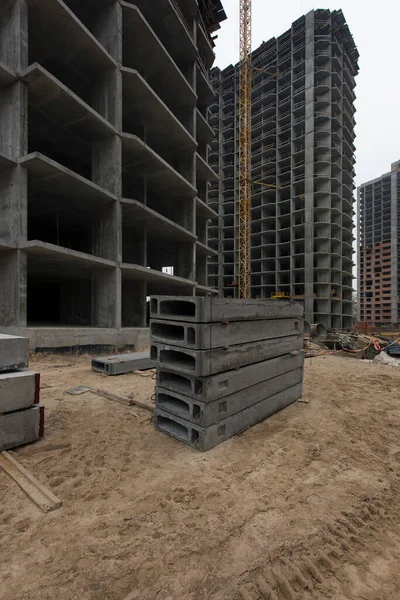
[(21, 427), (123, 363), (202, 363), (214, 310), (18, 390), (203, 336), (214, 387), (14, 352), (205, 438), (209, 413)]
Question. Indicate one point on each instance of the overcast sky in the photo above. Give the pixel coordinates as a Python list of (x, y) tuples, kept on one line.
[(375, 28)]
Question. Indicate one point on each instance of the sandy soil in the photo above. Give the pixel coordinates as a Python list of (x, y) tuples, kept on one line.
[(302, 506)]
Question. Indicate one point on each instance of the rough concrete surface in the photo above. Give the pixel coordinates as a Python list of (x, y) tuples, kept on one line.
[(207, 389), (202, 363), (203, 336), (213, 310), (14, 352), (21, 427), (205, 414), (122, 363), (18, 390)]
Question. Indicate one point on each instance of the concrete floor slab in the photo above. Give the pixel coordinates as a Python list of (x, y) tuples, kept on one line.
[(61, 106), (210, 413), (204, 336), (161, 176), (122, 363), (203, 170), (205, 210), (204, 129), (156, 279), (214, 387), (143, 51), (85, 52), (205, 438), (5, 162), (55, 261), (142, 104), (158, 227), (214, 310), (202, 363), (204, 250)]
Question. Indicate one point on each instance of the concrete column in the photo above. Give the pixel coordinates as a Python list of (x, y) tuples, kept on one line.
[(14, 34), (105, 298), (13, 289), (309, 172), (133, 303)]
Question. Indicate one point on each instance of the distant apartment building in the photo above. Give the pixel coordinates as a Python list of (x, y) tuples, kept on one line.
[(302, 169), (378, 248)]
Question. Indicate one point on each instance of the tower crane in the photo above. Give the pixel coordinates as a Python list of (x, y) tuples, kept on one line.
[(245, 87)]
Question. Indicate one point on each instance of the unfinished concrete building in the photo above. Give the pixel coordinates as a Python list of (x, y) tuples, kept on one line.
[(378, 248), (103, 157), (302, 169)]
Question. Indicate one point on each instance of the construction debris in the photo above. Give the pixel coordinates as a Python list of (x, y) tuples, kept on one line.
[(118, 364), (36, 491), (217, 377), (384, 359)]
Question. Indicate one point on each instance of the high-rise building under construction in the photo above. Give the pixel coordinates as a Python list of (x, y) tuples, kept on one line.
[(302, 169), (379, 248)]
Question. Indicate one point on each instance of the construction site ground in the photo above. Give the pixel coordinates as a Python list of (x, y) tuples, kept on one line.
[(304, 505)]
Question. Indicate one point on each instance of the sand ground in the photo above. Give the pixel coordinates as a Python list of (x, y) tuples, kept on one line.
[(302, 506)]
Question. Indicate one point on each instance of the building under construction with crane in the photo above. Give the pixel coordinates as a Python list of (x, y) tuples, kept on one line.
[(302, 171), (103, 163)]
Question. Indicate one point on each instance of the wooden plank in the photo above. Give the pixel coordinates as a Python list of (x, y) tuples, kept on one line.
[(36, 491)]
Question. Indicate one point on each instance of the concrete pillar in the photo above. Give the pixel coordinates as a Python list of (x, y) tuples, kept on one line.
[(13, 289), (133, 303)]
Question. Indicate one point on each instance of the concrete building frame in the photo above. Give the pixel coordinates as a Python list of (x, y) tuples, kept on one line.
[(104, 172), (303, 155)]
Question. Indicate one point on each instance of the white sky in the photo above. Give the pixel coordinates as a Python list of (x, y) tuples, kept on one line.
[(376, 30)]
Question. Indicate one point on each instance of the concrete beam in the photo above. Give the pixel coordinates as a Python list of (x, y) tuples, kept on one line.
[(203, 210), (70, 39), (5, 245), (203, 336), (204, 88), (218, 310), (205, 438), (21, 427), (18, 390), (62, 107), (204, 250), (7, 77), (156, 279), (143, 106), (161, 176), (14, 353), (137, 215), (203, 290), (61, 263), (209, 413), (142, 50), (203, 170), (58, 185), (203, 363)]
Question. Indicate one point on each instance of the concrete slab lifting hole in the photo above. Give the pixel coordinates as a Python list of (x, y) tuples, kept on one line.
[(202, 363), (205, 336), (204, 439), (206, 414)]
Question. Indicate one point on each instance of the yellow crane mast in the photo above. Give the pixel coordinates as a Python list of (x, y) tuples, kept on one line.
[(245, 87)]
